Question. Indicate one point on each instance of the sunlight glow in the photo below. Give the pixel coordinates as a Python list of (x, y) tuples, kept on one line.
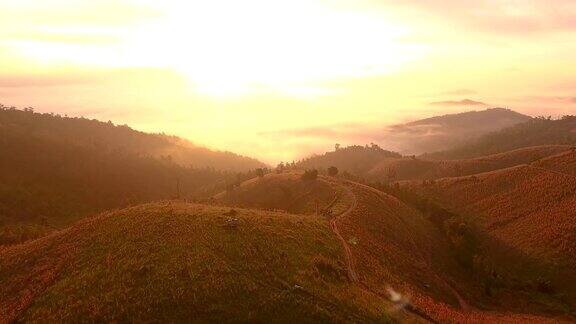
[(228, 48), (225, 73)]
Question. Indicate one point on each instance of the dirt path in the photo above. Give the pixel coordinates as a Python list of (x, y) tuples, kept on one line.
[(461, 301), (349, 257), (347, 251)]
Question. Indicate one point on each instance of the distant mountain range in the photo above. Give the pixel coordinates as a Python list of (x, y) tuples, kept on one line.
[(536, 131), (447, 131), (465, 136)]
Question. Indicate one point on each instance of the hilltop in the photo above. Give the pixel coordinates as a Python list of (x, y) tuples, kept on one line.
[(447, 131), (174, 262), (355, 159), (413, 168), (537, 131), (392, 245)]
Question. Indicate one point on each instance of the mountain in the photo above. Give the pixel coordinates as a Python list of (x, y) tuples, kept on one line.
[(81, 132), (180, 262), (537, 131), (426, 135), (54, 171), (444, 132)]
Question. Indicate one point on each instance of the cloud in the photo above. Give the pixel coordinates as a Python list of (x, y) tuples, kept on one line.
[(83, 76), (25, 81), (51, 13), (460, 92), (350, 131), (548, 99), (63, 37), (500, 16), (464, 102)]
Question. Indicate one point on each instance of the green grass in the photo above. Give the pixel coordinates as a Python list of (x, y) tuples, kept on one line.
[(177, 262)]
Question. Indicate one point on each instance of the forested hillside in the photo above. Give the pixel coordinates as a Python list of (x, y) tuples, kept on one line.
[(537, 131), (447, 131), (56, 170), (108, 137)]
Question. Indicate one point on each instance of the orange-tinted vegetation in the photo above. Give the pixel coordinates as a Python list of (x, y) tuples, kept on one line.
[(360, 234), (55, 170), (110, 138), (392, 245), (535, 132), (527, 215), (356, 159), (411, 168), (285, 191), (563, 163), (174, 261)]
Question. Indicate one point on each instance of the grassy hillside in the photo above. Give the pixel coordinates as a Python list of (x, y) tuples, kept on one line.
[(444, 132), (355, 159), (285, 192), (409, 168), (178, 262), (527, 213), (392, 245), (538, 131), (564, 163)]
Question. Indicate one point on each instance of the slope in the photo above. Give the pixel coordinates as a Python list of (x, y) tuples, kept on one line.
[(392, 246), (563, 163), (287, 192), (356, 159), (175, 262), (82, 132), (413, 168), (54, 171), (527, 212), (537, 131)]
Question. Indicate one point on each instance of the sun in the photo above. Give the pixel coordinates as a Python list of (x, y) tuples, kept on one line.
[(230, 48)]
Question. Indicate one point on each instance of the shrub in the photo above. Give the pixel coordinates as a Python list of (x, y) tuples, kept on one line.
[(310, 175), (332, 171), (260, 172)]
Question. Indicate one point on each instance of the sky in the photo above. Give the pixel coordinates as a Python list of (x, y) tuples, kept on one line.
[(233, 75)]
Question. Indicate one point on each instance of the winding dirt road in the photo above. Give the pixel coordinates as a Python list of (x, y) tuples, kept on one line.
[(347, 251), (349, 257)]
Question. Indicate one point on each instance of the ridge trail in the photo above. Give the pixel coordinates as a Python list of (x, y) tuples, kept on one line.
[(349, 257)]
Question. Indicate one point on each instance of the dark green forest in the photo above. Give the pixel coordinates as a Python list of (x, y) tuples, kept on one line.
[(55, 170), (537, 131)]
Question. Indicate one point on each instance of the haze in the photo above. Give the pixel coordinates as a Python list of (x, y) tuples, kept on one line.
[(278, 80)]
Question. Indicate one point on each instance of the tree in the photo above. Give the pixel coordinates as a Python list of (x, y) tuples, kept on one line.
[(260, 172), (280, 168), (332, 171), (309, 175)]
